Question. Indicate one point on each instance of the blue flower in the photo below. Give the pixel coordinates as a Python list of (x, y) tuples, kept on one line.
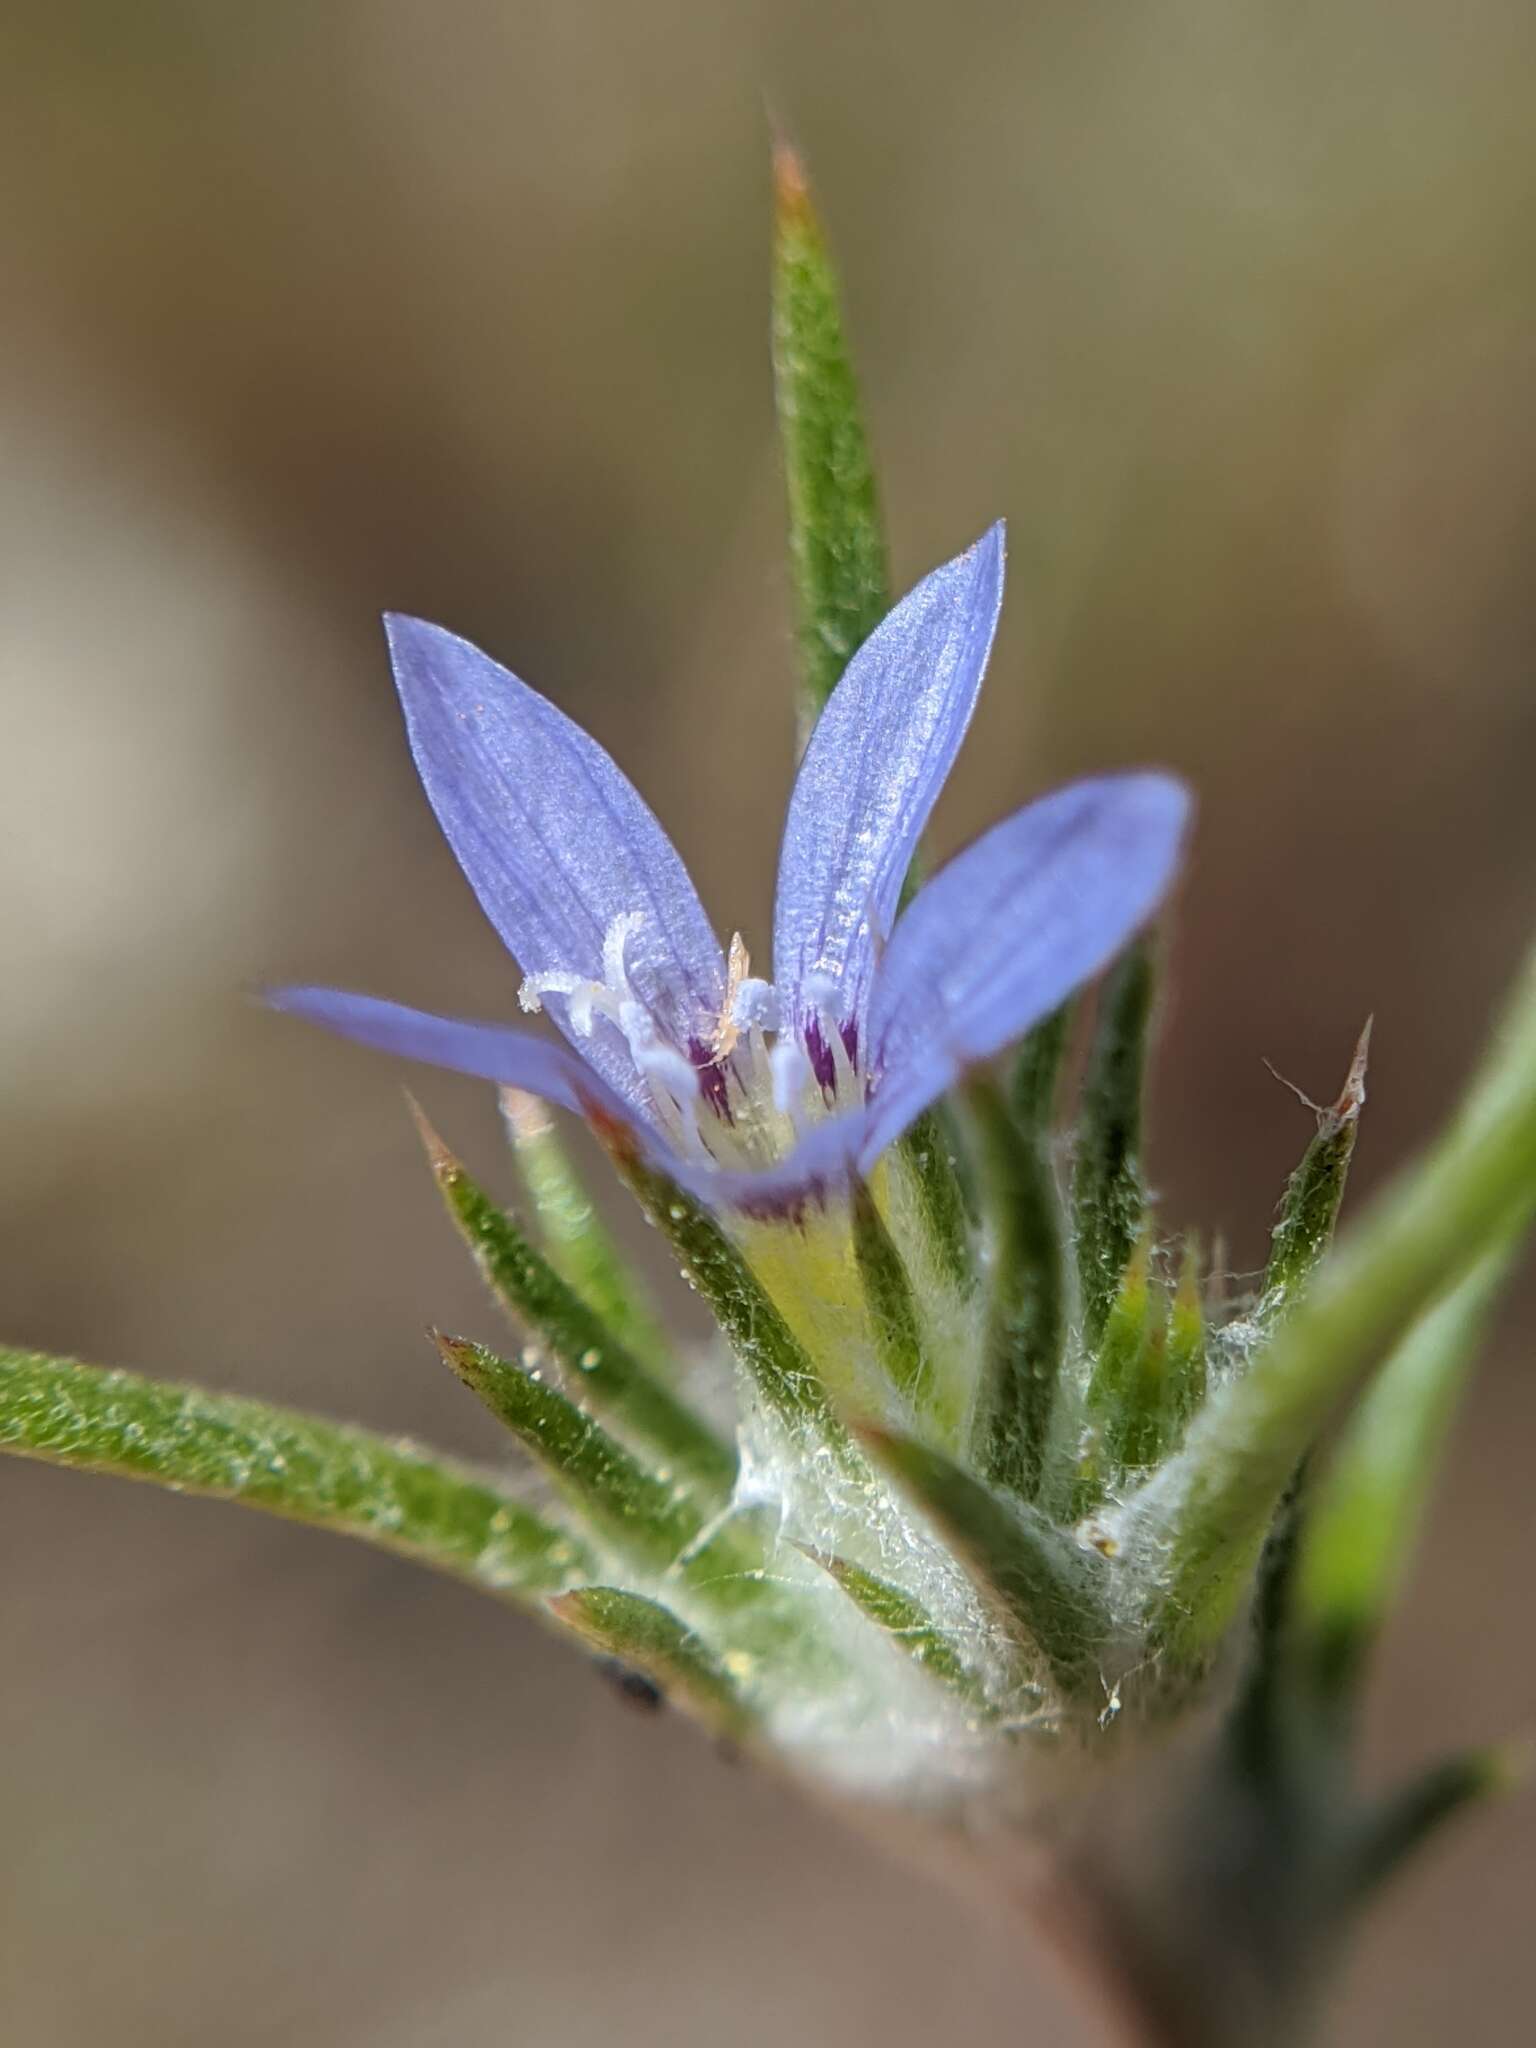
[(746, 1091)]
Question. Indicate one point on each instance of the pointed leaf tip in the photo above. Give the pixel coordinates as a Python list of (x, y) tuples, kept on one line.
[(1314, 1194), (651, 1639), (579, 1245), (836, 539), (439, 1158), (615, 1382), (791, 184), (641, 1514)]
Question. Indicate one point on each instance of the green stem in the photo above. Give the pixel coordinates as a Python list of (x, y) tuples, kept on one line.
[(1211, 1504)]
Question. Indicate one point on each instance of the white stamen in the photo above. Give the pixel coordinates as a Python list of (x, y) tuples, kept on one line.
[(791, 1072), (662, 1065), (824, 993), (615, 939)]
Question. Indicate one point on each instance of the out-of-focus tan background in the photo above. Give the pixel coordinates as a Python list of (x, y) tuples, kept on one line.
[(311, 310)]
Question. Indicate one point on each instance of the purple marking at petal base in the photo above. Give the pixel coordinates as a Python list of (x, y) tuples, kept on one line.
[(555, 841), (712, 1081), (819, 1053)]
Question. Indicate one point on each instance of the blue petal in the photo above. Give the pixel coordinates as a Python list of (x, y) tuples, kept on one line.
[(1007, 931), (555, 840), (491, 1052), (872, 773), (519, 1059)]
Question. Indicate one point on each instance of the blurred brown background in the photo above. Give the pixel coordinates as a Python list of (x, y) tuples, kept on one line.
[(460, 308)]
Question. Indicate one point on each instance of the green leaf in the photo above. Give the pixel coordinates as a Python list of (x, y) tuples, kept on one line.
[(1036, 1077), (287, 1463), (613, 1381), (1107, 1194), (579, 1247), (1186, 1340), (651, 1639), (1361, 1525), (1026, 1305), (642, 1514), (909, 1625), (929, 1151), (836, 544), (1402, 1823), (1310, 1207), (1204, 1515), (1049, 1588), (888, 1297), (1126, 1401), (764, 1345)]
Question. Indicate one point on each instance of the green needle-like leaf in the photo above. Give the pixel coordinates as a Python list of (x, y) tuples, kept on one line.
[(1047, 1586), (287, 1463), (1107, 1193), (1036, 1077), (1204, 1515), (579, 1247), (1186, 1341), (930, 1152), (1026, 1306), (837, 546), (909, 1625), (1406, 1819), (1360, 1526), (765, 1346), (1126, 1399), (1310, 1207), (651, 1639), (889, 1300), (613, 1380), (641, 1513)]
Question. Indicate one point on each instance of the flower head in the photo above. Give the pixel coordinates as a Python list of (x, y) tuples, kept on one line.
[(749, 1091)]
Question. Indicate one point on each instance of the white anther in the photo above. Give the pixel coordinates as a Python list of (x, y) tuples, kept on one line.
[(585, 997), (755, 1006), (553, 983)]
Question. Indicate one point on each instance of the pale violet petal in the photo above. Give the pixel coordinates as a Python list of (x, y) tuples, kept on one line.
[(1010, 928), (871, 775), (555, 841), (491, 1052)]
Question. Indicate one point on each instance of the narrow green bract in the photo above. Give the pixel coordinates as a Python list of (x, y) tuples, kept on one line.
[(1107, 1194), (909, 1626), (1026, 1306), (613, 1381), (836, 545), (650, 1638), (578, 1246), (299, 1466), (1047, 1585), (1315, 1192), (637, 1511), (892, 1309)]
